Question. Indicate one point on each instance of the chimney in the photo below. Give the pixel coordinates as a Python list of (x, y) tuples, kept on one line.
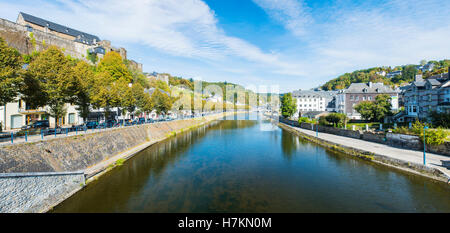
[(419, 78), (370, 84)]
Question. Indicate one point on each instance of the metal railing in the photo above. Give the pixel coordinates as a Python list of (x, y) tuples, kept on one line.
[(89, 127)]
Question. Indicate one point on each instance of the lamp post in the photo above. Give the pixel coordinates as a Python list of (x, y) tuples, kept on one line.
[(424, 145), (317, 129)]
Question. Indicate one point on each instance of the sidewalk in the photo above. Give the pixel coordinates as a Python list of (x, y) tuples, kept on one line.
[(432, 160)]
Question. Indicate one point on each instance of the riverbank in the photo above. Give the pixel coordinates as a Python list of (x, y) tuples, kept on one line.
[(402, 159), (46, 163)]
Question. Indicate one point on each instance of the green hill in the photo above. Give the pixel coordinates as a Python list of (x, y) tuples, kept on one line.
[(373, 75)]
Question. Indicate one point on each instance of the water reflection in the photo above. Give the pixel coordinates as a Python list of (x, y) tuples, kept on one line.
[(233, 166)]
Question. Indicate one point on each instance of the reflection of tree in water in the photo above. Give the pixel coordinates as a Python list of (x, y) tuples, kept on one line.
[(289, 144), (149, 164), (234, 124)]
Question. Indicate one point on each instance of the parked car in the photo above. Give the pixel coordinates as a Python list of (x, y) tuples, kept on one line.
[(102, 125), (91, 124), (42, 124), (141, 120)]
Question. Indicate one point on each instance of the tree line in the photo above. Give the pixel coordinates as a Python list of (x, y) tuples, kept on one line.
[(371, 75)]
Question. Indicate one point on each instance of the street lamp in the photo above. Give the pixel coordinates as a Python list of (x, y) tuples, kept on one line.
[(424, 145), (317, 129)]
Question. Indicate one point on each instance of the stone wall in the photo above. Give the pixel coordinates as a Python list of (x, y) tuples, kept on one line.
[(36, 192), (34, 177), (396, 140), (18, 37), (79, 152)]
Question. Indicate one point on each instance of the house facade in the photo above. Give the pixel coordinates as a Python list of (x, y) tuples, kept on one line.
[(393, 74), (319, 101), (422, 97), (16, 114), (347, 99)]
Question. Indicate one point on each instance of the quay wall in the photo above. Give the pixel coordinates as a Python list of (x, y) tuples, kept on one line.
[(35, 177), (403, 141)]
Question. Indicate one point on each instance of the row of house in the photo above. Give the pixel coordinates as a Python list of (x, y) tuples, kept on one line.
[(347, 99), (424, 96), (314, 103)]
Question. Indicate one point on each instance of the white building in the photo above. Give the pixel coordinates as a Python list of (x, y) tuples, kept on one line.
[(309, 100), (16, 114)]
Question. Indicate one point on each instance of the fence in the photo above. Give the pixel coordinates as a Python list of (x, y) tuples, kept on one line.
[(91, 126)]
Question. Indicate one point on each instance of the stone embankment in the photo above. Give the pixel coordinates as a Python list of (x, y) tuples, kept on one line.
[(348, 143), (36, 176), (404, 141)]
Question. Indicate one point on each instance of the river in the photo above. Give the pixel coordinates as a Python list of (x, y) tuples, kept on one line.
[(234, 166)]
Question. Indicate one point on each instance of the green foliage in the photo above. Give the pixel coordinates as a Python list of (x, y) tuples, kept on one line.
[(91, 56), (288, 105), (162, 102), (440, 119), (33, 40), (114, 66), (10, 72), (52, 80), (305, 120), (359, 76), (364, 76), (432, 136), (85, 81), (377, 110), (337, 119)]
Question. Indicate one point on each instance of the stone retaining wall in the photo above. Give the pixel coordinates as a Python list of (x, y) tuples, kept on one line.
[(34, 177), (82, 151), (36, 192), (396, 140)]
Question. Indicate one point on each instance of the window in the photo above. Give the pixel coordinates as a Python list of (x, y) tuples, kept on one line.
[(357, 98), (369, 98), (364, 98), (351, 97)]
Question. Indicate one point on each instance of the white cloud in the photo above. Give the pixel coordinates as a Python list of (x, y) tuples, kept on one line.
[(185, 28), (292, 14)]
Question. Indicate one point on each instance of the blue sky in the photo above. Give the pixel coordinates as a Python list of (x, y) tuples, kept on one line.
[(295, 44)]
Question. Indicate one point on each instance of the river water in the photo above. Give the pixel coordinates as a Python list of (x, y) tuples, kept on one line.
[(234, 166)]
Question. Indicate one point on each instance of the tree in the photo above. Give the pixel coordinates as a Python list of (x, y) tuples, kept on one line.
[(103, 95), (10, 73), (162, 102), (85, 79), (288, 105), (377, 110), (382, 107), (54, 78), (113, 64), (123, 96), (365, 108), (336, 118)]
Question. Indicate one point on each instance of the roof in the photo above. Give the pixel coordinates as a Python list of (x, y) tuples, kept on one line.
[(374, 88), (325, 94), (434, 82), (82, 37), (443, 76)]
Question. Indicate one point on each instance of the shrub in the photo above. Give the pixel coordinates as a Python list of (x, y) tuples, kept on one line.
[(337, 119), (433, 136), (440, 119)]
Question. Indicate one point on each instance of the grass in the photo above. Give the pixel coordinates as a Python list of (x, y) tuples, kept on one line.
[(119, 162)]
